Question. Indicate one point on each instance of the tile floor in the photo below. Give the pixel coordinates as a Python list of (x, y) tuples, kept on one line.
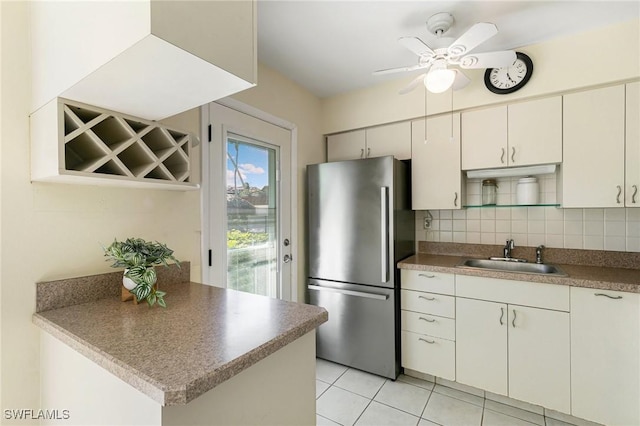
[(346, 396)]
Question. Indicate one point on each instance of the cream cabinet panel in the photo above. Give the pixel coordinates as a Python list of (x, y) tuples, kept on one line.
[(484, 138), (435, 282), (136, 58), (436, 178), (428, 303), (428, 354), (430, 325), (632, 146), (346, 146), (535, 132), (605, 356), (390, 139), (481, 344), (593, 148), (539, 357)]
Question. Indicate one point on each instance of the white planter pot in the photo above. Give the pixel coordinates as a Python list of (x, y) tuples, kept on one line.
[(127, 282)]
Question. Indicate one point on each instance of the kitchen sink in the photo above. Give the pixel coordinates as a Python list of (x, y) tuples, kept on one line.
[(510, 266)]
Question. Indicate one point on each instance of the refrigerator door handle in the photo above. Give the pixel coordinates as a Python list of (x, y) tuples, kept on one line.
[(350, 292), (384, 245)]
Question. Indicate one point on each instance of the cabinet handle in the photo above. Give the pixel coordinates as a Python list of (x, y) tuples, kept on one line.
[(426, 298), (368, 152), (361, 152), (513, 323), (431, 342), (502, 156), (501, 315), (635, 192), (619, 192), (513, 153), (455, 200), (426, 276), (427, 319), (606, 295)]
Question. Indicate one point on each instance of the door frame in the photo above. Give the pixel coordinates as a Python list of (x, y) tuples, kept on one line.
[(205, 189)]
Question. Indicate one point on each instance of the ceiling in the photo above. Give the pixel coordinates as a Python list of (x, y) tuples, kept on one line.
[(330, 47)]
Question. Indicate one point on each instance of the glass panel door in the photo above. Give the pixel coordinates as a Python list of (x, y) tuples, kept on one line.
[(252, 216)]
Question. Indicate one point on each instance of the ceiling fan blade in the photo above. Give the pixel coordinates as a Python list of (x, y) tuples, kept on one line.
[(477, 34), (414, 83), (417, 46), (500, 59), (461, 81), (401, 69)]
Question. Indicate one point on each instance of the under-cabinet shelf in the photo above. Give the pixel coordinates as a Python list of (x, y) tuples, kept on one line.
[(76, 143)]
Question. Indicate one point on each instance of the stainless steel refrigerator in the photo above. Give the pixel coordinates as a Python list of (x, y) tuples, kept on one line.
[(360, 225)]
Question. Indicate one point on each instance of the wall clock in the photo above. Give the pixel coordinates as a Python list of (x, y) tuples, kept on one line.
[(509, 79)]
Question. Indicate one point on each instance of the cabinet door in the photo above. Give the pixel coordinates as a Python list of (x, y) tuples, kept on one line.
[(346, 146), (484, 138), (539, 369), (632, 146), (593, 148), (436, 178), (535, 132), (391, 139), (481, 341), (605, 356)]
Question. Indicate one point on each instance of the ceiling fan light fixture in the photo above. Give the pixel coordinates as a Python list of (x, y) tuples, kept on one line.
[(439, 80)]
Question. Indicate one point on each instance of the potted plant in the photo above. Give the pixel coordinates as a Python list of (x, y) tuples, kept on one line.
[(138, 257)]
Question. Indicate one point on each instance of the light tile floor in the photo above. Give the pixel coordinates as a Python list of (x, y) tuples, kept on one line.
[(346, 396)]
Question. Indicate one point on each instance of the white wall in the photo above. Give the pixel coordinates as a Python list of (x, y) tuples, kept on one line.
[(52, 231), (606, 55)]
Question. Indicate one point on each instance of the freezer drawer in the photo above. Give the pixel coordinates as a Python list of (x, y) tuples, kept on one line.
[(362, 331)]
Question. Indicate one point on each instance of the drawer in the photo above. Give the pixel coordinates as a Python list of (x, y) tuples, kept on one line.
[(428, 303), (429, 355), (434, 282), (428, 324), (537, 295)]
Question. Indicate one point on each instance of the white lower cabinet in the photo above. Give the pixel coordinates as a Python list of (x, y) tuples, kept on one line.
[(428, 323), (509, 349), (605, 356)]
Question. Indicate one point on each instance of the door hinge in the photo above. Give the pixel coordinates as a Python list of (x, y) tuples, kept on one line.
[(210, 131), (210, 257)]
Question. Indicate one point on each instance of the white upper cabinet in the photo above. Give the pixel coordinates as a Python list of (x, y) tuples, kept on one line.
[(436, 178), (521, 134), (390, 139), (150, 59), (632, 146), (484, 138), (346, 146), (593, 148)]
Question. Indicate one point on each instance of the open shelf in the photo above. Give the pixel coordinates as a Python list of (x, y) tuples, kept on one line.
[(101, 144)]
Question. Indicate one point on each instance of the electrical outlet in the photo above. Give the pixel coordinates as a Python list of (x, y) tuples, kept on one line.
[(427, 223)]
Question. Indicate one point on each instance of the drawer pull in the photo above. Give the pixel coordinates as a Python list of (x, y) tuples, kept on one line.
[(431, 342), (427, 319), (606, 295), (426, 276), (513, 323), (501, 315), (426, 298)]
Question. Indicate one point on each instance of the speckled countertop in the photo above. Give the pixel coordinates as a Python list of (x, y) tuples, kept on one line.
[(604, 278), (205, 336)]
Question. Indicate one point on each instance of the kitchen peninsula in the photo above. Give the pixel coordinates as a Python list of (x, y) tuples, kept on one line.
[(213, 356)]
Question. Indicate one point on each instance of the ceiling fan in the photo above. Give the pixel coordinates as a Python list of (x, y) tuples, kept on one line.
[(445, 52)]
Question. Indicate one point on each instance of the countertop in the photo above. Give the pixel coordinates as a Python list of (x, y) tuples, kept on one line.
[(205, 336), (603, 278)]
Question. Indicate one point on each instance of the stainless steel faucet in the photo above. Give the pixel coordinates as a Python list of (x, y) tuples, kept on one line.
[(539, 254), (507, 249)]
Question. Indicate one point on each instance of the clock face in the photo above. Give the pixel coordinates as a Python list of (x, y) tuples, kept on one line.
[(509, 79)]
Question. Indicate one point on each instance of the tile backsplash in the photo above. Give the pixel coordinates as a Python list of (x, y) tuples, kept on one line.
[(615, 229)]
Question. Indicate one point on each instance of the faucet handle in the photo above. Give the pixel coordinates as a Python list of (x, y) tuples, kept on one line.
[(539, 253), (511, 244)]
